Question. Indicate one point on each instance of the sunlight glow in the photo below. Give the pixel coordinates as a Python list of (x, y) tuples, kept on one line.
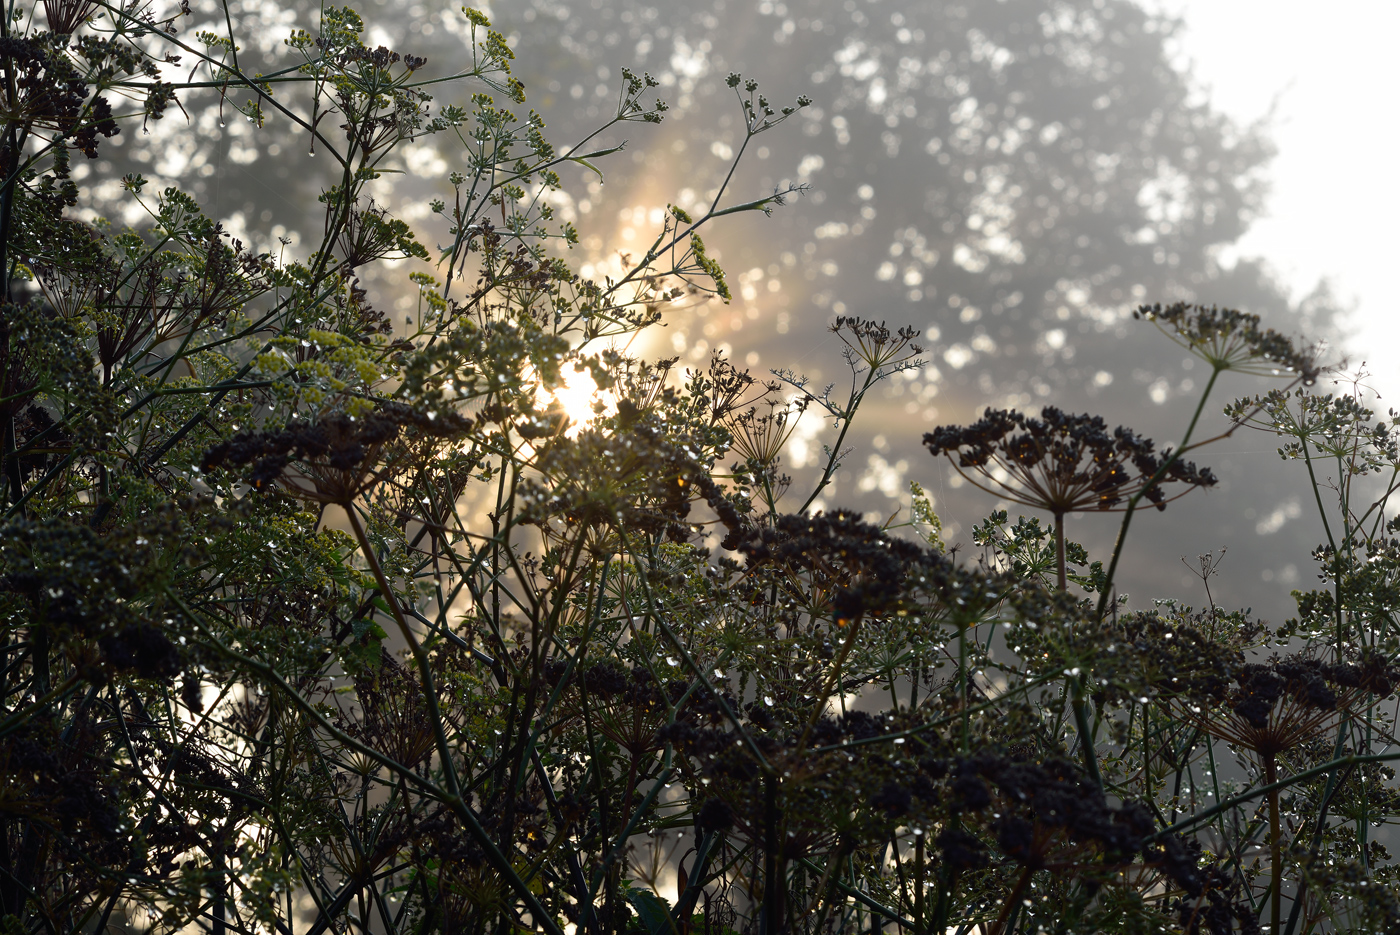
[(578, 395)]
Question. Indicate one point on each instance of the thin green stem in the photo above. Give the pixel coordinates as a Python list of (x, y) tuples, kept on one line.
[(1137, 497)]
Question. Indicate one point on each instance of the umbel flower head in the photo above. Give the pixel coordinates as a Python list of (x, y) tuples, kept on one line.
[(1062, 462), (861, 567), (759, 436), (338, 456), (1231, 340), (874, 345), (1277, 705)]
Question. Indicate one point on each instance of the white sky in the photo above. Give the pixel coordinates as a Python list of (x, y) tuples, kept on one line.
[(1335, 208)]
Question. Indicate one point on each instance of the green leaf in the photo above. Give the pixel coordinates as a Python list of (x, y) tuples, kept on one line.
[(654, 912)]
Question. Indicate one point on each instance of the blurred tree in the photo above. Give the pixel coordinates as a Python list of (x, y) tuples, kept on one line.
[(1018, 175)]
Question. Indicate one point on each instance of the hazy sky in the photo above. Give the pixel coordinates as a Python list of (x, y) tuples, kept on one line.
[(1331, 68)]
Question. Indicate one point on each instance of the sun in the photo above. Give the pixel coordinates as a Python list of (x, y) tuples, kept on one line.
[(578, 395)]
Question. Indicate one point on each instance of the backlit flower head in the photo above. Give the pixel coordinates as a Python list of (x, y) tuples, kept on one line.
[(335, 458), (1231, 340), (1275, 706), (1062, 462)]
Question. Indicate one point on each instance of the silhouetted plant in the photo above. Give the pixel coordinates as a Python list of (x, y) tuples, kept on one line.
[(1062, 463)]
